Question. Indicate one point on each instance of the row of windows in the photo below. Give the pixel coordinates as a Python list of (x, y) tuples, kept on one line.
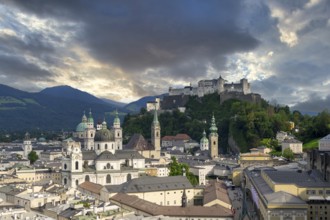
[(320, 192), (87, 179), (76, 166)]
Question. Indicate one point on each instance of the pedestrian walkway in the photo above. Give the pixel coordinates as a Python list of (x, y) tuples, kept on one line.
[(236, 197)]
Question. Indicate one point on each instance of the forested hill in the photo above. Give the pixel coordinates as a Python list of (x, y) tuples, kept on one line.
[(247, 123)]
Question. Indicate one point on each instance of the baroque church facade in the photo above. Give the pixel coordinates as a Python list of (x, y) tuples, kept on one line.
[(98, 156)]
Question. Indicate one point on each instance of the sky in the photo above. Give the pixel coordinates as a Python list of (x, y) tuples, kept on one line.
[(126, 49)]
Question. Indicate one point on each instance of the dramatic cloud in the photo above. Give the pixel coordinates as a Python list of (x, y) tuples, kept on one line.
[(124, 49)]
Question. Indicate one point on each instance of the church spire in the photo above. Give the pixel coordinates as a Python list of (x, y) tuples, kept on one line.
[(213, 128), (155, 121), (84, 118)]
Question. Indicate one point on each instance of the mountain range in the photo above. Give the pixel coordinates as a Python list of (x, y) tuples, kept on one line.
[(56, 108)]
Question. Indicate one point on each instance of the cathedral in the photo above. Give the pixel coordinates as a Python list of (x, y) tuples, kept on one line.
[(98, 156)]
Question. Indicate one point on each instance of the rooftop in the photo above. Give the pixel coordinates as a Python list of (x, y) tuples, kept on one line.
[(150, 184), (303, 179), (154, 209)]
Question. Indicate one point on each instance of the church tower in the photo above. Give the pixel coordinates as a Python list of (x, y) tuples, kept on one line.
[(27, 146), (72, 164), (155, 133), (213, 139), (90, 132), (204, 143), (118, 132)]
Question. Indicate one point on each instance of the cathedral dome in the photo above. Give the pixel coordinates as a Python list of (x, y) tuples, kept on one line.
[(106, 156), (104, 135), (81, 127)]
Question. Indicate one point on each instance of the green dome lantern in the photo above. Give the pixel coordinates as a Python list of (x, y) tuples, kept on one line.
[(213, 128), (204, 139)]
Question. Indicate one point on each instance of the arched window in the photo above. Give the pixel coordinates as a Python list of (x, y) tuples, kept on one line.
[(65, 166), (98, 146), (108, 166), (65, 181), (91, 135), (129, 177), (108, 178), (106, 146), (118, 134), (87, 178), (77, 182), (157, 134), (77, 165), (213, 142)]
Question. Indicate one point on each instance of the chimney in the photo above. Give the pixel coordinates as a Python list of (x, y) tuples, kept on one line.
[(183, 171)]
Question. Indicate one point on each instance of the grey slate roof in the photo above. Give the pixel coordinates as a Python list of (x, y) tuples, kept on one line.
[(303, 179), (127, 154), (269, 195), (105, 156), (150, 184), (137, 142), (89, 155)]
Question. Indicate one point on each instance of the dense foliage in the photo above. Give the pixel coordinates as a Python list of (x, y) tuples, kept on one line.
[(33, 157), (247, 123), (177, 169)]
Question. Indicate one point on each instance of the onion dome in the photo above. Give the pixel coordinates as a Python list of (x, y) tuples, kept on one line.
[(90, 117), (27, 136), (84, 118), (204, 139), (116, 120), (104, 124), (104, 135), (213, 128)]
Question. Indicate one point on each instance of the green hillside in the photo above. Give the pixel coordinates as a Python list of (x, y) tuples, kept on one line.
[(246, 122)]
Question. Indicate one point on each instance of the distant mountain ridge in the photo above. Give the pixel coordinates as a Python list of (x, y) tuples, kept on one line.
[(57, 108), (54, 108), (71, 93)]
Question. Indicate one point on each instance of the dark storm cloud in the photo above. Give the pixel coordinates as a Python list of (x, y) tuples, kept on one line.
[(154, 34), (33, 43), (314, 104), (15, 66)]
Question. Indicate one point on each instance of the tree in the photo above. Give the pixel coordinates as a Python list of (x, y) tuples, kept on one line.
[(176, 169), (288, 154), (33, 157)]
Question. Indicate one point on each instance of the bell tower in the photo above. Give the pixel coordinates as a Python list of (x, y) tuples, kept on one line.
[(155, 134), (118, 132), (213, 139), (27, 146)]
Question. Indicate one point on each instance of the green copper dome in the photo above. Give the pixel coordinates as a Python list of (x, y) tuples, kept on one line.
[(116, 120), (81, 127), (104, 135), (90, 117), (213, 128), (204, 139)]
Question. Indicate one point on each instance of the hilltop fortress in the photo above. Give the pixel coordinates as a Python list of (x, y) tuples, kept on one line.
[(213, 86), (178, 97)]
